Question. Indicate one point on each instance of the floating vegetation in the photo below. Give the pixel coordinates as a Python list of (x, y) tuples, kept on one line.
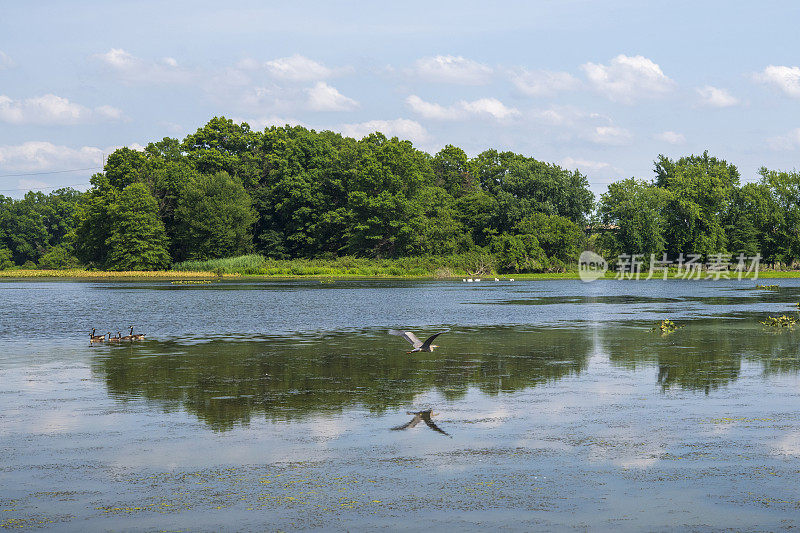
[(768, 287), (192, 281), (783, 321), (667, 326)]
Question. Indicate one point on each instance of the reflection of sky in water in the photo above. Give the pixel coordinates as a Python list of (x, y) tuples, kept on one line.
[(54, 309), (602, 423)]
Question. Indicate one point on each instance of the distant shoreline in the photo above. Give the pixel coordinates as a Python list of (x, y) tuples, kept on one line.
[(208, 276)]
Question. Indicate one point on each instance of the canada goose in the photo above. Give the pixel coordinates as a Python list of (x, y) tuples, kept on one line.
[(418, 345), (423, 416), (127, 337), (138, 336), (96, 338), (112, 339)]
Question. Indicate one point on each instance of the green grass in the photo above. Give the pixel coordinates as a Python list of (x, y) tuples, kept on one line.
[(104, 274), (256, 265), (444, 267)]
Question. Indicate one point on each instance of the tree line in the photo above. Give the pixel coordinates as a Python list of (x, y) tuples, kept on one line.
[(290, 192)]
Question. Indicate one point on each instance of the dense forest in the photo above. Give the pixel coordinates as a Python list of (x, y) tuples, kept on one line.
[(290, 192)]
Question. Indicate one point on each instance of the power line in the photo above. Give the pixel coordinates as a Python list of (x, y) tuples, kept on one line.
[(42, 188), (48, 172)]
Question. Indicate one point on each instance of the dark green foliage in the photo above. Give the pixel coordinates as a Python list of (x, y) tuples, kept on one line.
[(451, 168), (519, 253), (137, 240), (559, 237), (5, 258), (294, 193), (59, 257), (224, 146), (637, 208), (33, 225), (700, 189), (213, 218), (777, 213)]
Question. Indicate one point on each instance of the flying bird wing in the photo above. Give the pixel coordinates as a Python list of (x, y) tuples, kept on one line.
[(413, 422), (429, 340), (407, 335), (430, 423)]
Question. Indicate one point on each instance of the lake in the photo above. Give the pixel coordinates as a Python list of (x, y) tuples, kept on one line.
[(269, 405)]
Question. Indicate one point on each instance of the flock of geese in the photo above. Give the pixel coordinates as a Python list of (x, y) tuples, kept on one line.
[(119, 338)]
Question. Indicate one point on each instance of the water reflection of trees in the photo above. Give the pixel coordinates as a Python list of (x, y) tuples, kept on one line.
[(704, 355), (225, 382)]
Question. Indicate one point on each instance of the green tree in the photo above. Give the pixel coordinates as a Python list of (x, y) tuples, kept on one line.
[(59, 257), (519, 253), (784, 189), (701, 189), (754, 223), (451, 166), (224, 146), (559, 237), (5, 258), (214, 216), (93, 222), (137, 240), (637, 208)]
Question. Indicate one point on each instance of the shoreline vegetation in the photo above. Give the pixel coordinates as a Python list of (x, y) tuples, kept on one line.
[(293, 202), (256, 266)]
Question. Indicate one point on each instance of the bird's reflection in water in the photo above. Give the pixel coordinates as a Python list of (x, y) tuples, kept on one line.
[(424, 416)]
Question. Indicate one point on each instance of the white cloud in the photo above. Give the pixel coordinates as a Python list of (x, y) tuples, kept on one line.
[(566, 116), (489, 106), (716, 97), (39, 156), (787, 79), (552, 117), (583, 164), (134, 70), (52, 109), (452, 69), (543, 82), (323, 97), (298, 68), (483, 107), (108, 112), (789, 141), (431, 110), (628, 78), (610, 135), (5, 61), (671, 137), (401, 127)]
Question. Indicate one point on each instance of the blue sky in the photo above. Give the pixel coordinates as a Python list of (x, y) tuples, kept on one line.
[(600, 86)]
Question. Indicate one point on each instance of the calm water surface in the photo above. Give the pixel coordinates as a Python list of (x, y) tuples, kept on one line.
[(269, 406)]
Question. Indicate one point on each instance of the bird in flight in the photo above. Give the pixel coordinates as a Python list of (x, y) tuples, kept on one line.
[(424, 416), (418, 345)]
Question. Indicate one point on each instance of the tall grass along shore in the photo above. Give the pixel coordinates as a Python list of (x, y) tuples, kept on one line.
[(444, 267)]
